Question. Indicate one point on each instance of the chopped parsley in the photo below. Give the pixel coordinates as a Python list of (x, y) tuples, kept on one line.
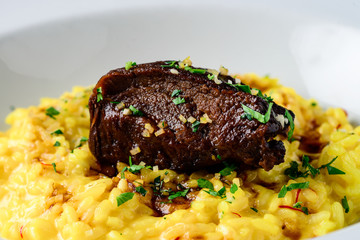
[(256, 115), (82, 141), (175, 93), (292, 186), (233, 188), (171, 64), (291, 121), (51, 112), (178, 194), (264, 96), (345, 204), (114, 102), (203, 183), (195, 70), (99, 95), (227, 170), (54, 166), (221, 193), (141, 190), (195, 126), (132, 168), (305, 210), (178, 100), (57, 144), (313, 104), (297, 205), (57, 132), (210, 76), (129, 65), (218, 157), (254, 209), (135, 111), (124, 197), (240, 87), (293, 172)]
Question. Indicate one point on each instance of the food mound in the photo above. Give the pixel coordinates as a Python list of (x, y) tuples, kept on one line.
[(181, 119), (51, 186)]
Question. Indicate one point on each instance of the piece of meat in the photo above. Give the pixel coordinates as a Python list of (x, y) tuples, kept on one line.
[(148, 87)]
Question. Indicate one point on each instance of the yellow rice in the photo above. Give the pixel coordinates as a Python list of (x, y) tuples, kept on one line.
[(75, 202)]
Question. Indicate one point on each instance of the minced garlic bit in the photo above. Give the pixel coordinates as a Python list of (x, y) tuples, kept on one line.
[(127, 111), (217, 175), (215, 74), (191, 119), (155, 168), (162, 124), (213, 157), (187, 61), (121, 105), (174, 71), (237, 80), (223, 70), (142, 163), (149, 127), (145, 133), (182, 118), (205, 119), (159, 132), (135, 151)]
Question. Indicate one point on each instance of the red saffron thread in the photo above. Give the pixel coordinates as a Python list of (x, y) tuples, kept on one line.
[(46, 164), (297, 195), (296, 209), (236, 214), (21, 230)]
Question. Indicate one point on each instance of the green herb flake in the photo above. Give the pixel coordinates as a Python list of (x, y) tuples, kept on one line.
[(332, 170), (297, 205), (178, 194), (195, 70), (166, 172), (141, 190), (210, 76), (256, 115), (114, 102), (233, 188), (293, 172), (264, 96), (345, 204), (99, 95), (227, 170), (254, 209), (82, 141), (313, 104), (178, 100), (129, 65), (218, 157), (203, 183), (135, 111), (124, 197), (57, 144), (175, 93), (305, 210), (195, 126), (54, 166), (220, 193), (292, 125), (51, 112), (292, 186), (171, 64), (306, 164), (57, 132)]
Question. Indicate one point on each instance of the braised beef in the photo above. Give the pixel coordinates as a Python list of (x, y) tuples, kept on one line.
[(228, 134)]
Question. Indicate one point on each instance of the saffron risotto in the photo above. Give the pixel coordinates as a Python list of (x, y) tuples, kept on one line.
[(50, 189)]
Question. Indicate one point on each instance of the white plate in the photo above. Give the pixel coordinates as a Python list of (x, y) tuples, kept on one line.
[(311, 46)]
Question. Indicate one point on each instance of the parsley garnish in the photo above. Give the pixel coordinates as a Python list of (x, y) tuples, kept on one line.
[(114, 102), (132, 168), (178, 100), (291, 121), (129, 65), (227, 170), (82, 141), (254, 209), (292, 186), (220, 193), (175, 93), (57, 144), (332, 170), (171, 64), (141, 190), (240, 87), (135, 111), (313, 104), (297, 205), (210, 76), (195, 126), (124, 197), (233, 188), (203, 183), (57, 132), (195, 70), (256, 115), (99, 95), (54, 166), (305, 210), (345, 204), (178, 194), (264, 96), (51, 112)]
